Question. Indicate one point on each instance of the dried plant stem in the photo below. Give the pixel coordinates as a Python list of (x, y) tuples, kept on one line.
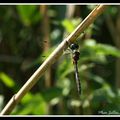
[(52, 58)]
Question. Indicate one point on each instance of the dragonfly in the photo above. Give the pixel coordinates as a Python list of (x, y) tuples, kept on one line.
[(74, 47)]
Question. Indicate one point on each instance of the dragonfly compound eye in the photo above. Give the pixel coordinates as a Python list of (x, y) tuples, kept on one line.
[(74, 46)]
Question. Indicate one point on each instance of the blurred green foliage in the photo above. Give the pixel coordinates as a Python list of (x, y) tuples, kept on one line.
[(29, 14), (21, 42)]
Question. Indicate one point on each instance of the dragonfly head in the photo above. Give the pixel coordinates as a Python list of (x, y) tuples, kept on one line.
[(74, 46)]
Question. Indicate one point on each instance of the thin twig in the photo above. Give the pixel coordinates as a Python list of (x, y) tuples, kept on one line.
[(52, 58)]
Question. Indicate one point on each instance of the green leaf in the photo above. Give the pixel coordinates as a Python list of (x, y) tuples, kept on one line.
[(51, 93), (27, 98), (7, 80), (32, 104), (70, 25), (90, 42), (102, 49), (97, 52), (96, 78), (28, 14), (108, 90), (65, 68), (64, 83), (107, 50)]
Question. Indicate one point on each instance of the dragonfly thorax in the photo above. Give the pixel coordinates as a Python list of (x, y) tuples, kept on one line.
[(76, 56)]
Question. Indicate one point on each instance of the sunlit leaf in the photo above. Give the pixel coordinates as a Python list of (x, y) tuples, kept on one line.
[(27, 98), (55, 101), (70, 25), (86, 104), (7, 80), (75, 103), (90, 42)]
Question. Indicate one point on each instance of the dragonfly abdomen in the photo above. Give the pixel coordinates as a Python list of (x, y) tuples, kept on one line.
[(77, 79)]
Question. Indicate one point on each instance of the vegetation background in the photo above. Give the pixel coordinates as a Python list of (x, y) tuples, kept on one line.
[(29, 33)]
